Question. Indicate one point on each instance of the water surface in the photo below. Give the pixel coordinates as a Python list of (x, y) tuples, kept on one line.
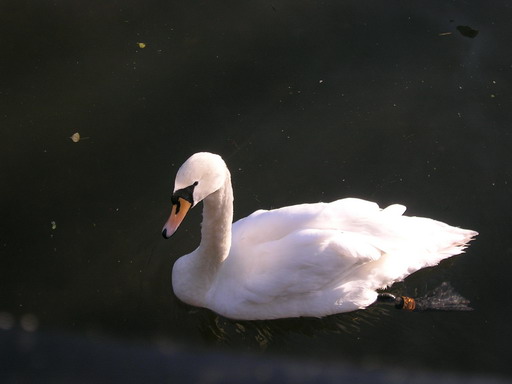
[(306, 101)]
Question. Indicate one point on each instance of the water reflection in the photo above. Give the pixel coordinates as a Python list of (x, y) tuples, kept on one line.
[(28, 322), (274, 334), (6, 321)]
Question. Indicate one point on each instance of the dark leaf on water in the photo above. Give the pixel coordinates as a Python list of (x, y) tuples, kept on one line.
[(467, 31)]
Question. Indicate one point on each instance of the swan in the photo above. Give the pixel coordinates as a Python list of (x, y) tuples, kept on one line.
[(309, 260)]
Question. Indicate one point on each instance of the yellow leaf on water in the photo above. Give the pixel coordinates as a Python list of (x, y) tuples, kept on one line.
[(75, 137)]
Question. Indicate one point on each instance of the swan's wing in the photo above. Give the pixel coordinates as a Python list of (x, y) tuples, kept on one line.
[(303, 263), (299, 250)]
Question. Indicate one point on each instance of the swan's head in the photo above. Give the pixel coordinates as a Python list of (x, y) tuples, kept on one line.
[(201, 175)]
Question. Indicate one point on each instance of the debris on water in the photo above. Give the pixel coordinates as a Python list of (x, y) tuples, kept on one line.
[(75, 137), (141, 45), (444, 33), (467, 31), (54, 225)]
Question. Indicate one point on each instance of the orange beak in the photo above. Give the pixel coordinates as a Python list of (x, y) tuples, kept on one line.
[(178, 213)]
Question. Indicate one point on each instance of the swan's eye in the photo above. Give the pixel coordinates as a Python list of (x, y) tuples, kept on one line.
[(185, 193)]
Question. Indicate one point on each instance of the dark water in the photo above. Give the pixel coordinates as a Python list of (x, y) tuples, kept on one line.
[(306, 101)]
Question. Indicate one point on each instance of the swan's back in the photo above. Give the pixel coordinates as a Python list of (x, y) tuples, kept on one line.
[(386, 229)]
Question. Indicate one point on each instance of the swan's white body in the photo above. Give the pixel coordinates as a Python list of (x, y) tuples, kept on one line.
[(303, 260)]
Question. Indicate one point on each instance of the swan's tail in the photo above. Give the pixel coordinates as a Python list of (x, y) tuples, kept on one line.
[(443, 298)]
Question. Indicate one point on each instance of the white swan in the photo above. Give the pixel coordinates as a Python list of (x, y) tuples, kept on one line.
[(303, 260)]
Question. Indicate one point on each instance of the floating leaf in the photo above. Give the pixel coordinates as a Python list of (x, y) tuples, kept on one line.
[(467, 31), (141, 45), (75, 137)]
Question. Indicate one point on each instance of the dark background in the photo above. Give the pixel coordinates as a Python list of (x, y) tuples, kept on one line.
[(306, 101)]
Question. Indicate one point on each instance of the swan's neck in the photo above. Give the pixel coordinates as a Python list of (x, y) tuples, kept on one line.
[(194, 274), (216, 226)]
